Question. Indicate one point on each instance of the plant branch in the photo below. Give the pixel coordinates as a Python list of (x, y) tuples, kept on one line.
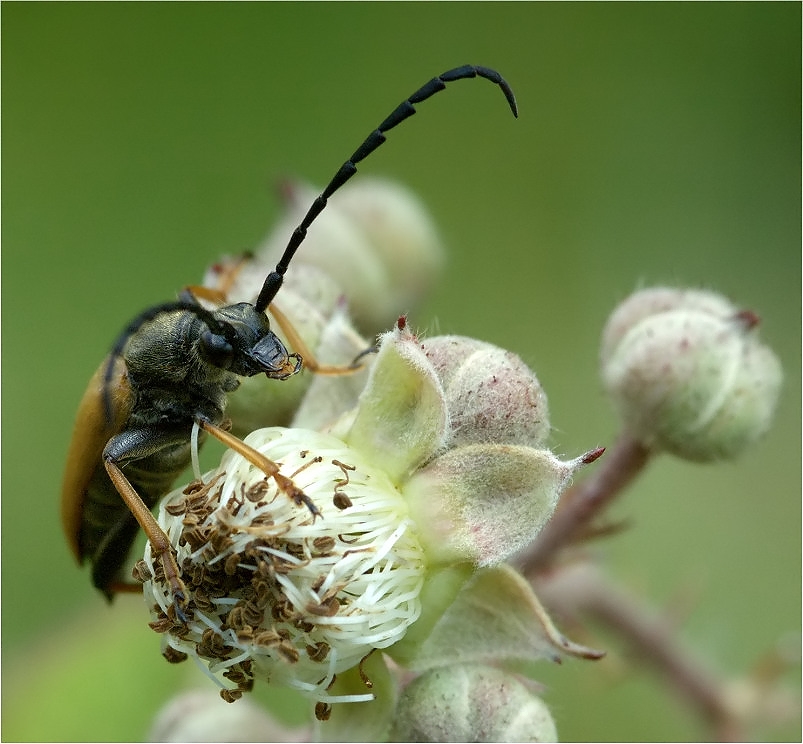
[(583, 588)]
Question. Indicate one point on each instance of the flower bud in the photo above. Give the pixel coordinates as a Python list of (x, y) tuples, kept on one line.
[(491, 395), (201, 715), (375, 240), (687, 373), (471, 703)]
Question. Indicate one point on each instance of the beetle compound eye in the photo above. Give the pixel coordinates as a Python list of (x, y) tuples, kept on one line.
[(215, 349)]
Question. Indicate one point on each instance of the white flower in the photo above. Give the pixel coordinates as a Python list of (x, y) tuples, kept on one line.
[(277, 592), (389, 533)]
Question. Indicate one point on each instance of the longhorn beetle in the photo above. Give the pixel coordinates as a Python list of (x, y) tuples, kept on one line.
[(171, 368)]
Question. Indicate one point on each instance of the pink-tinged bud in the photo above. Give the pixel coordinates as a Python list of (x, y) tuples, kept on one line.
[(688, 374), (471, 703), (491, 395)]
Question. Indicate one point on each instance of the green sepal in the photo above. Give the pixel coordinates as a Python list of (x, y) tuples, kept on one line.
[(401, 417)]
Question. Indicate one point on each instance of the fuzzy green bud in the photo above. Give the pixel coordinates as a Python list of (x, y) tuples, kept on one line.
[(471, 703), (688, 374), (201, 715)]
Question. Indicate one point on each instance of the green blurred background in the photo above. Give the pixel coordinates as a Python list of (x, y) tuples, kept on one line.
[(657, 143)]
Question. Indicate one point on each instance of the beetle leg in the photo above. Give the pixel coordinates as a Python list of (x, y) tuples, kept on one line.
[(195, 292), (296, 343), (266, 465), (160, 543), (227, 272)]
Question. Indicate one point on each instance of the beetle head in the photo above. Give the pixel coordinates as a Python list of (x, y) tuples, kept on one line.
[(241, 341)]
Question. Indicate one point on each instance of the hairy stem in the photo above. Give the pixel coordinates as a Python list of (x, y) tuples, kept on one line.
[(584, 588)]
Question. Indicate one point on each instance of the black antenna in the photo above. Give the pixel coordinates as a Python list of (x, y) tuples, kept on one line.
[(374, 140)]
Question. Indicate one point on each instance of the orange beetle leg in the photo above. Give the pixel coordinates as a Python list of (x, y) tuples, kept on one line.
[(160, 544), (310, 362), (266, 465)]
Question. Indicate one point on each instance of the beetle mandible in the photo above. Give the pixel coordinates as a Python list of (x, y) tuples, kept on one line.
[(172, 368)]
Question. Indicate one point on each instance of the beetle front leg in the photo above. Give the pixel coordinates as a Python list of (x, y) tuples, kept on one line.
[(266, 465), (311, 363)]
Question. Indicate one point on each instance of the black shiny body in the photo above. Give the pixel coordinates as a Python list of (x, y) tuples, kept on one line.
[(172, 379)]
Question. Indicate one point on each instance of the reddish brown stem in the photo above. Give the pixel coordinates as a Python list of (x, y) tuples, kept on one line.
[(583, 588)]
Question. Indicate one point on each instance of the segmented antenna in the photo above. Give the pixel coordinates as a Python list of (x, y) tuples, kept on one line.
[(346, 171), (404, 110)]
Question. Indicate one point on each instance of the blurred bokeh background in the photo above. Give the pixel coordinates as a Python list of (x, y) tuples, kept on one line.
[(657, 143)]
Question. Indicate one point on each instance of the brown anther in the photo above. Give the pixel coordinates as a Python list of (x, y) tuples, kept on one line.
[(235, 675), (282, 611), (319, 651), (294, 550), (161, 625), (264, 569), (235, 618), (191, 520), (220, 541), (202, 601), (262, 593), (263, 520), (328, 608), (288, 652), (231, 564), (158, 572), (231, 695), (267, 638), (193, 487), (245, 634), (177, 509), (247, 684), (194, 573), (341, 501), (234, 504), (280, 566), (198, 537), (252, 615), (323, 711), (141, 572), (257, 491), (172, 656), (344, 467), (324, 544)]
